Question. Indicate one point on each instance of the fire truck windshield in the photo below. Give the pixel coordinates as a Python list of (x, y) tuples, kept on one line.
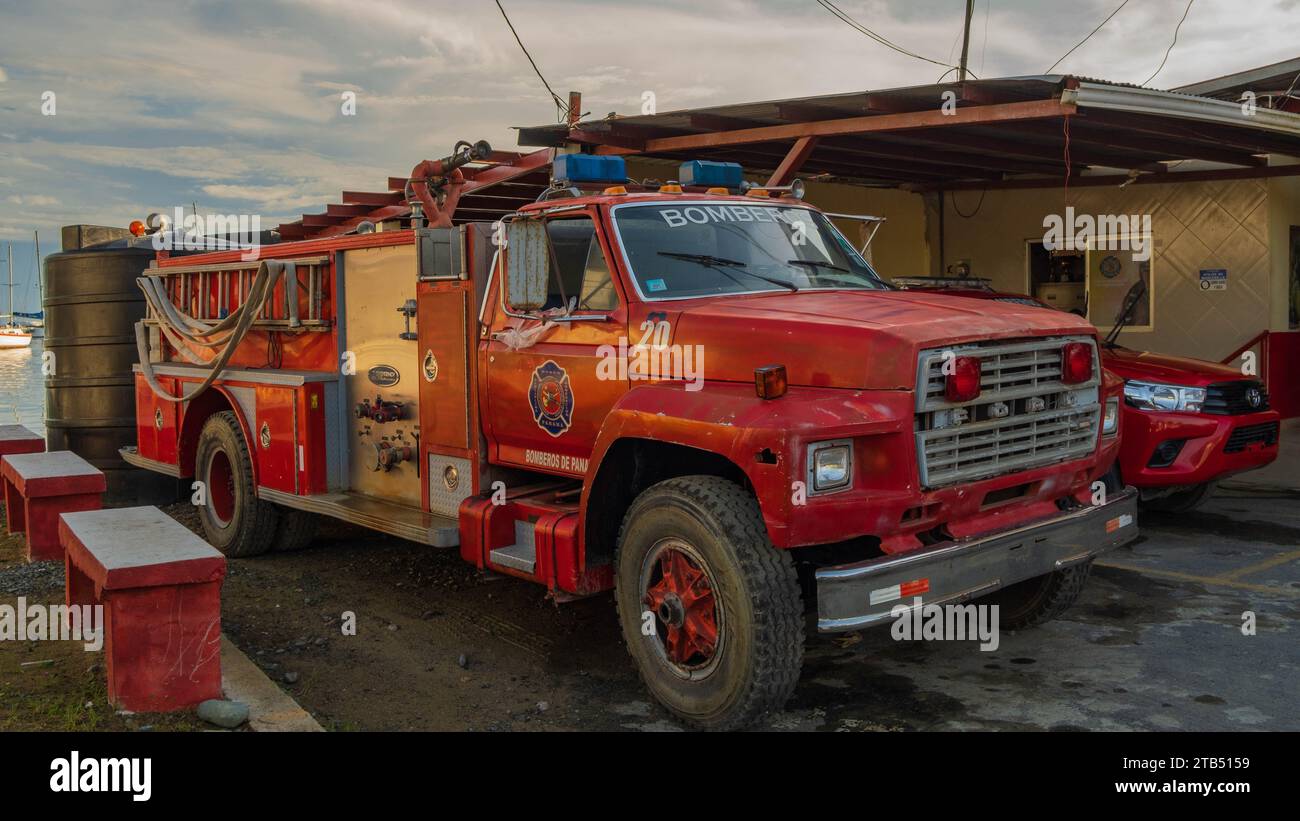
[(694, 249)]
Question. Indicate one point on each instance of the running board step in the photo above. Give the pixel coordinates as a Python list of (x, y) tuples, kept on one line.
[(376, 514), (522, 555)]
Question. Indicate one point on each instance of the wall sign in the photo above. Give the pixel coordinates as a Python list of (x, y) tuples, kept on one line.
[(385, 376), (1214, 279)]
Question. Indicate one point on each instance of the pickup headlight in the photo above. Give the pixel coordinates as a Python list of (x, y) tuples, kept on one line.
[(1110, 421), (830, 465), (1156, 397)]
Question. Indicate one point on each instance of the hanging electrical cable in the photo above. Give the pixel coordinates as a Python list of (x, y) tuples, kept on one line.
[(835, 10), (1089, 37), (1163, 60), (562, 108)]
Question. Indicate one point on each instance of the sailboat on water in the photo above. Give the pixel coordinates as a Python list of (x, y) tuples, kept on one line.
[(34, 321), (11, 335)]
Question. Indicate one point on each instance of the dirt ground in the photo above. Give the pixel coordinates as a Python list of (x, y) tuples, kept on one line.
[(437, 646), (1155, 643)]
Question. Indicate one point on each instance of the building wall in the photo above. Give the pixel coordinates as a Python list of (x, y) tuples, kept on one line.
[(900, 247), (1195, 226)]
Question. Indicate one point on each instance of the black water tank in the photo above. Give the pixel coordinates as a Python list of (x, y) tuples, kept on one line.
[(91, 307)]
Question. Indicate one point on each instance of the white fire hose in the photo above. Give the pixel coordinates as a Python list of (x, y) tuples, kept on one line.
[(180, 328)]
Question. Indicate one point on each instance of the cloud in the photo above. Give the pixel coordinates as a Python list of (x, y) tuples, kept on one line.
[(37, 200), (236, 106), (270, 198)]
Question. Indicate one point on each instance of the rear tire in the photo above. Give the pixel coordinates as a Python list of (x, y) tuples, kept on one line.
[(296, 530), (234, 520), (1040, 599), (696, 570)]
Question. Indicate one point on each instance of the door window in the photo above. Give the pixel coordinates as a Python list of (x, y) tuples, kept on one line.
[(579, 275)]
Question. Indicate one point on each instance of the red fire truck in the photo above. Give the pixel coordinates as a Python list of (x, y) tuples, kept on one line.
[(698, 396)]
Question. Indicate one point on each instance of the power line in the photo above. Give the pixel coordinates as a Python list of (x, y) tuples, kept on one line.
[(985, 46), (559, 104), (1084, 40), (1174, 43), (1290, 88), (833, 9)]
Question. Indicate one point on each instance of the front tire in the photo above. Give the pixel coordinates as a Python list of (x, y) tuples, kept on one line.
[(1180, 501), (710, 610), (234, 520)]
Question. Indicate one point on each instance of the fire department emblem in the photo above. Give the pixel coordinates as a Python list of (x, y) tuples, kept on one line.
[(551, 398)]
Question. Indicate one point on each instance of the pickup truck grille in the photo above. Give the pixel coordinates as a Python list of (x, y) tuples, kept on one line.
[(1233, 398), (1024, 417)]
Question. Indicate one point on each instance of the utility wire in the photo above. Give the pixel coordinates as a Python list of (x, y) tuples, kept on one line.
[(833, 9), (559, 104), (1174, 43), (985, 46), (1084, 40), (1290, 88)]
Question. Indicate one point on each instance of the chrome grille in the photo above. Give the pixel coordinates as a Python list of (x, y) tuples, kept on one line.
[(1025, 417)]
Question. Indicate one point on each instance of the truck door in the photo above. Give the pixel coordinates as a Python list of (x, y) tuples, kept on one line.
[(547, 390)]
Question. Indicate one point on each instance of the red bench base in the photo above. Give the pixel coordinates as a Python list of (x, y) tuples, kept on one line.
[(162, 645), (160, 586), (38, 519)]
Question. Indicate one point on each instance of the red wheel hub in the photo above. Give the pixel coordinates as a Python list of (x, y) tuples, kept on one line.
[(683, 603), (221, 487)]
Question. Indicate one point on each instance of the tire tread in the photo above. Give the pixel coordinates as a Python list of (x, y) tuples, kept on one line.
[(775, 595)]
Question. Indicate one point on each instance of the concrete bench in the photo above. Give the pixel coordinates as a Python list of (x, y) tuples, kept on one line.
[(40, 486), (160, 586), (18, 439)]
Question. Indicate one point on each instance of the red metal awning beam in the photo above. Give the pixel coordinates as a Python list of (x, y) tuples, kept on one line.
[(793, 161), (936, 118)]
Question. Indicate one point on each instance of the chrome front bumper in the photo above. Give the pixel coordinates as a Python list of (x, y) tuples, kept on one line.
[(853, 596)]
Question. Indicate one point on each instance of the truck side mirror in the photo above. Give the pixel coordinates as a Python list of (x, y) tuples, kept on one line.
[(527, 264)]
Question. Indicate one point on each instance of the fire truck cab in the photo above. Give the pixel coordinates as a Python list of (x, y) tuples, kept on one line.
[(699, 396)]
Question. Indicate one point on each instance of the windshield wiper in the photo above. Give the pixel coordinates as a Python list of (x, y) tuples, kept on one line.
[(814, 263), (1131, 299), (722, 263)]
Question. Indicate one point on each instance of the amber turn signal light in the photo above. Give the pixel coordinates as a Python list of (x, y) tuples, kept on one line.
[(769, 381)]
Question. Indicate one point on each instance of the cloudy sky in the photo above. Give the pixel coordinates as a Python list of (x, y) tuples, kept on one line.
[(236, 106)]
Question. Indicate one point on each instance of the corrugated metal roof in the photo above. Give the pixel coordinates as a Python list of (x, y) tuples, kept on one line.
[(1116, 125)]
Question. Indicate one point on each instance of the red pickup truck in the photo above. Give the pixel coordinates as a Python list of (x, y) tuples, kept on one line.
[(1186, 423)]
